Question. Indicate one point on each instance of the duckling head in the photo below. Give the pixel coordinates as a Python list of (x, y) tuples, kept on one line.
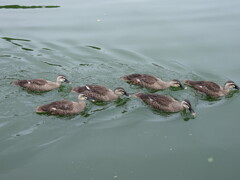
[(230, 85), (187, 105), (120, 91), (62, 78), (82, 97), (177, 83)]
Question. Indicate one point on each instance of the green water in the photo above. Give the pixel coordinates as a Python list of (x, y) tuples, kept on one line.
[(98, 42)]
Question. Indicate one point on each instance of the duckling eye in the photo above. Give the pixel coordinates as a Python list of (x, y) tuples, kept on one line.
[(84, 96), (177, 84), (232, 85), (186, 105)]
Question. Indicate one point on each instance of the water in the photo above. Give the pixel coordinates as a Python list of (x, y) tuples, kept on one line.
[(97, 42)]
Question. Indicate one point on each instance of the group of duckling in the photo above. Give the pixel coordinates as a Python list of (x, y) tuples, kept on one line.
[(102, 93)]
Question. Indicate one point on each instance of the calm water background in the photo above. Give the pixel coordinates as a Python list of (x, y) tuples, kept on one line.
[(97, 42)]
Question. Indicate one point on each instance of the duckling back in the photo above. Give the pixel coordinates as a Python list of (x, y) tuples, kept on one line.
[(62, 107), (37, 84), (21, 83)]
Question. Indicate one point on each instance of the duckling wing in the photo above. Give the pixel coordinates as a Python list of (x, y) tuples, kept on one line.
[(80, 89), (208, 87), (97, 89), (162, 100), (58, 107), (157, 101), (212, 86), (149, 79), (131, 77), (38, 82), (39, 85), (27, 83), (140, 78)]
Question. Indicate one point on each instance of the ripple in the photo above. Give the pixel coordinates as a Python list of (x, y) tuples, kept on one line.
[(50, 142), (27, 131), (3, 124), (83, 66)]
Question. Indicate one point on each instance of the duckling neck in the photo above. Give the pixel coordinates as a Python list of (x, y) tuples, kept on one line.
[(164, 84), (225, 90), (59, 82), (115, 96), (178, 106), (175, 106), (81, 101)]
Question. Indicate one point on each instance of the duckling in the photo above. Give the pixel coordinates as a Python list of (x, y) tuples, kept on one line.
[(40, 85), (165, 103), (211, 88), (100, 93), (151, 82), (64, 107)]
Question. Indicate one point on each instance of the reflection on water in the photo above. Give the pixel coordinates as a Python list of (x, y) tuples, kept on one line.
[(51, 64), (25, 7), (12, 41), (94, 47), (121, 102)]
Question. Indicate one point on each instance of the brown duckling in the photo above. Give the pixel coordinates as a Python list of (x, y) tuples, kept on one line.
[(211, 88), (151, 82), (41, 84), (165, 103), (64, 107), (100, 93)]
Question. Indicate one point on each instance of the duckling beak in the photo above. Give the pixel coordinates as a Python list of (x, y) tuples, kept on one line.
[(90, 99), (126, 94), (192, 112), (66, 81), (236, 87), (183, 87)]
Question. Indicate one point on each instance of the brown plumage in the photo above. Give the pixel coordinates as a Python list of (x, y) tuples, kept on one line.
[(40, 84), (100, 93), (151, 82), (211, 88), (64, 107), (165, 103)]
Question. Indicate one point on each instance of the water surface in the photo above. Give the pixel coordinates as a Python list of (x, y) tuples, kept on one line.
[(98, 42)]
